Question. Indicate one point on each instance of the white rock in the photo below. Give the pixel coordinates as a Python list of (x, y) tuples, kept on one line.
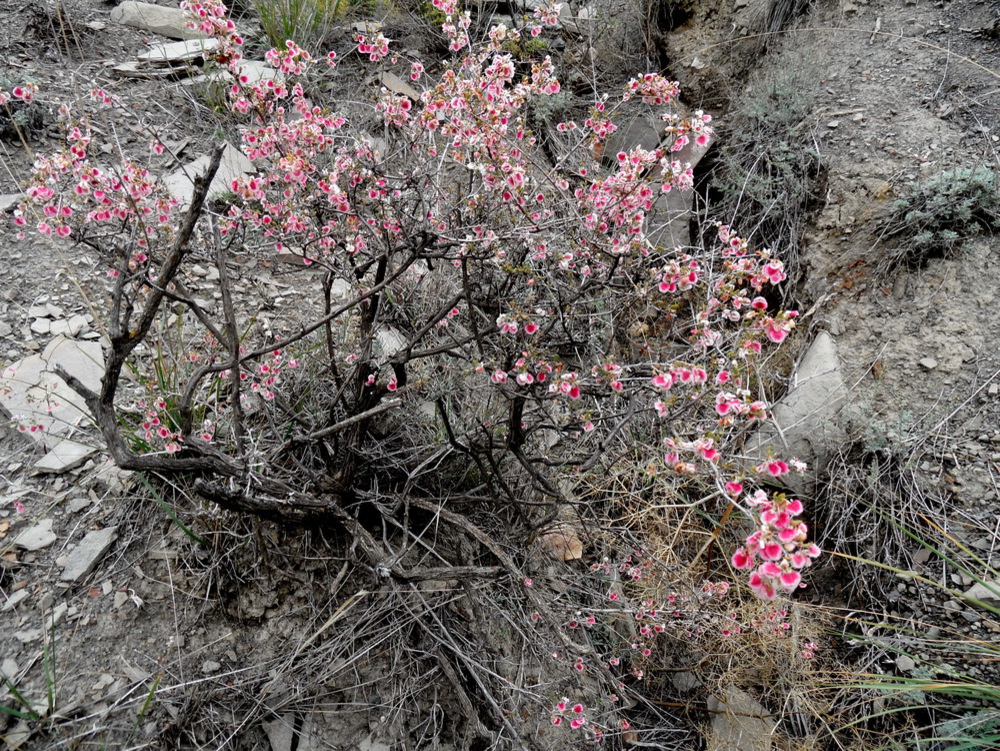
[(174, 52), (59, 328), (8, 667), (86, 555), (397, 85), (37, 537), (77, 325), (41, 326), (9, 200), (35, 395), (64, 456), (168, 22), (905, 663), (805, 423), (234, 164)]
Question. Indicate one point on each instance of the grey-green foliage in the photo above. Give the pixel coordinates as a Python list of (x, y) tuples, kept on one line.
[(768, 171), (937, 217)]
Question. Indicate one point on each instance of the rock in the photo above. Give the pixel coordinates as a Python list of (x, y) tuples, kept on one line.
[(59, 328), (928, 363), (64, 456), (41, 326), (234, 164), (562, 543), (37, 537), (686, 681), (833, 124), (19, 735), (8, 201), (15, 599), (281, 732), (254, 71), (85, 556), (210, 666), (28, 635), (168, 22), (905, 663), (36, 396), (77, 325), (370, 744), (136, 70), (390, 341), (739, 723), (805, 422), (8, 668), (177, 52), (988, 593), (397, 85)]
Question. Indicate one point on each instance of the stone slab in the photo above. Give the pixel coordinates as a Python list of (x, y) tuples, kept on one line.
[(88, 553), (168, 22), (37, 536), (33, 394), (175, 52), (805, 423), (64, 456), (234, 164)]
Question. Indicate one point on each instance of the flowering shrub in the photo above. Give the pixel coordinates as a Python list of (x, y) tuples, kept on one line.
[(466, 270)]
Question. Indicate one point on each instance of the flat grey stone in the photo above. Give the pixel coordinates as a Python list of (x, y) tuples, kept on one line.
[(41, 326), (37, 537), (86, 555), (397, 85), (77, 325), (234, 164), (15, 599), (210, 666), (805, 423), (168, 22), (739, 723), (988, 593), (28, 635), (281, 732), (35, 395), (8, 667), (175, 52), (64, 456), (59, 328), (9, 200), (905, 664), (928, 363)]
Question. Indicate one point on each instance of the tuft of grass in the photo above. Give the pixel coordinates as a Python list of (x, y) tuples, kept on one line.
[(301, 21)]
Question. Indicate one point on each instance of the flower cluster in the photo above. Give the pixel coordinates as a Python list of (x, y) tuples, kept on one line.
[(780, 542)]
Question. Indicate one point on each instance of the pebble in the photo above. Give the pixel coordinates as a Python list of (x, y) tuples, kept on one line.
[(210, 666), (928, 363), (833, 124), (905, 663)]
